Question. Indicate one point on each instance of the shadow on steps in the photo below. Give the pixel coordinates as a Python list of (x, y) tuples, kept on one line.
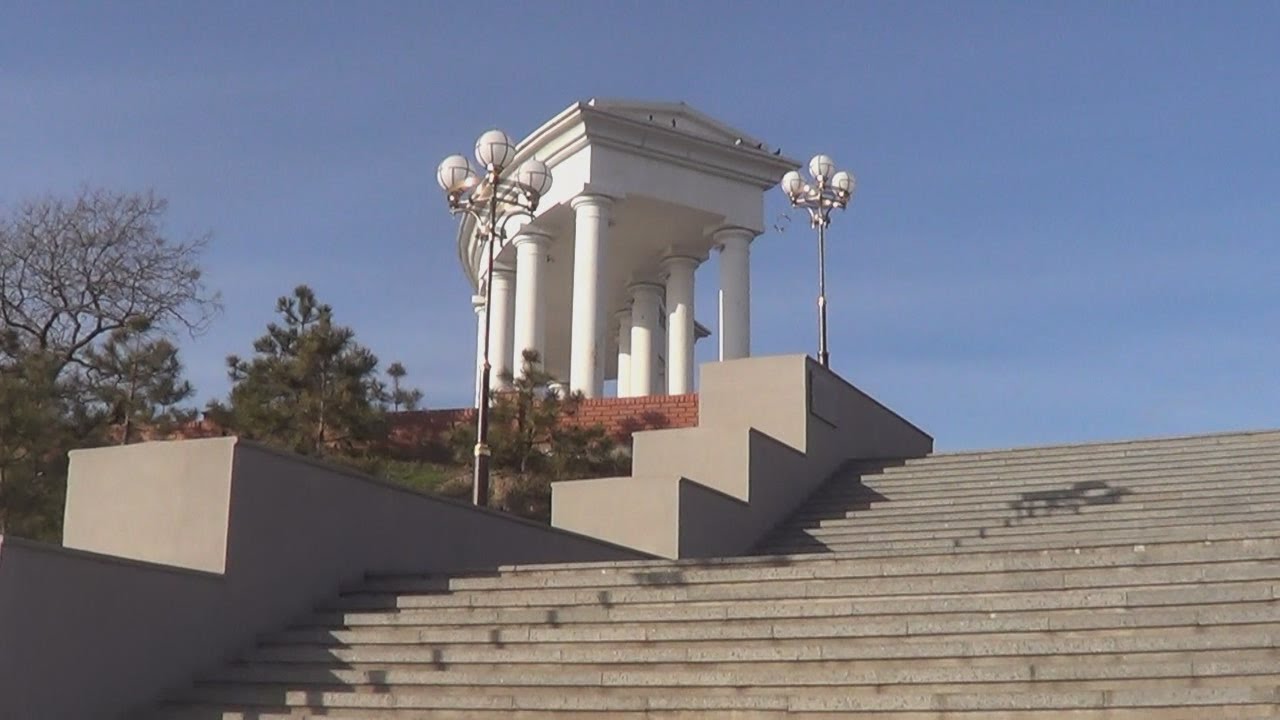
[(845, 495)]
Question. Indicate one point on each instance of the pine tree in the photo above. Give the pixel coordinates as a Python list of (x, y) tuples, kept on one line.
[(309, 388), (36, 429), (138, 383), (525, 419), (532, 445), (402, 397)]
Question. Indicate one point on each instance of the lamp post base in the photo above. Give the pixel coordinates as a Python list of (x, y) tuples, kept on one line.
[(480, 484)]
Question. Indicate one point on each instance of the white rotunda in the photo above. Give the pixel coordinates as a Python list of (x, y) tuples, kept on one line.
[(600, 280)]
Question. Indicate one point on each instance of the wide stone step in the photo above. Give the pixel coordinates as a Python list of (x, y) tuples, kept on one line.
[(853, 546), (1131, 448), (1019, 533), (1100, 522), (1204, 474), (938, 466), (963, 498), (1198, 712), (1235, 532), (993, 680), (783, 669), (1064, 518), (991, 677), (1258, 547), (891, 512), (1131, 473), (861, 587), (889, 507), (1113, 599), (778, 628), (1173, 480), (875, 493), (233, 694), (1153, 698), (1252, 540), (1046, 517), (1063, 644)]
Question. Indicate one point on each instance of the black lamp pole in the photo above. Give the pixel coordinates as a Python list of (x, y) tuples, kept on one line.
[(489, 200), (829, 190)]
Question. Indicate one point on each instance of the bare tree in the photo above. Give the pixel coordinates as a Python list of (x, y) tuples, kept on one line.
[(72, 271)]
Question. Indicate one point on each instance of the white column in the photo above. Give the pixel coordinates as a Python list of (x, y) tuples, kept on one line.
[(591, 223), (680, 332), (598, 380), (624, 352), (735, 292), (477, 304), (502, 326), (644, 335), (531, 306)]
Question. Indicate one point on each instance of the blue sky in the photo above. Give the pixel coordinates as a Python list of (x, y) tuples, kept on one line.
[(1067, 225)]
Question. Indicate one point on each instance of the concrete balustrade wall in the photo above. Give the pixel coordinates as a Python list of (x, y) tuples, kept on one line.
[(186, 550), (770, 430)]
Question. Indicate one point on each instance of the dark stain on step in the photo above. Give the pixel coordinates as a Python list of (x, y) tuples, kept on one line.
[(1073, 498)]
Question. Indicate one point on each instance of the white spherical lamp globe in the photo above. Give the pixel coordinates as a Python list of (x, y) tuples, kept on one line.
[(534, 175), (821, 167), (454, 172), (792, 184), (843, 182), (494, 149)]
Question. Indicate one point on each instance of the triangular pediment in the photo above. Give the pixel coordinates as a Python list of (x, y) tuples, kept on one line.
[(677, 116)]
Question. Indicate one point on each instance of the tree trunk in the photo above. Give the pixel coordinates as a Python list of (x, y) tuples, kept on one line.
[(128, 406)]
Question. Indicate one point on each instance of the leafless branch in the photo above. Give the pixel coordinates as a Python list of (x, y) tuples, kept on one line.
[(74, 269)]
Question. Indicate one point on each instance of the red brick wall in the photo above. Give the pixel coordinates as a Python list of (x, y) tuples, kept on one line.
[(410, 431), (619, 416), (623, 416)]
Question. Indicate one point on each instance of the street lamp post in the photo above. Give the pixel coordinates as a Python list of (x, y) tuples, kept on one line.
[(829, 190), (490, 197)]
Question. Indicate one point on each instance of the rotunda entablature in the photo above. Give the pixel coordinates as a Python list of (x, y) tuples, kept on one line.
[(666, 163)]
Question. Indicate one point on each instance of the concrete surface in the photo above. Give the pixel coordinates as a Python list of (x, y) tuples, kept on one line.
[(770, 430), (1090, 609), (86, 634)]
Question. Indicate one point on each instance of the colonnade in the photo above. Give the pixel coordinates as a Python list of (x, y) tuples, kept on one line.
[(520, 316)]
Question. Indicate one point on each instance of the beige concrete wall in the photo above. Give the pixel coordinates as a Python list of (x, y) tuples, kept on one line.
[(771, 430), (86, 635), (590, 506), (715, 456), (769, 394), (849, 423), (163, 502)]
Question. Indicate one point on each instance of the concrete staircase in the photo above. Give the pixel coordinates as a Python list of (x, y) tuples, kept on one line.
[(1179, 488), (1126, 580)]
